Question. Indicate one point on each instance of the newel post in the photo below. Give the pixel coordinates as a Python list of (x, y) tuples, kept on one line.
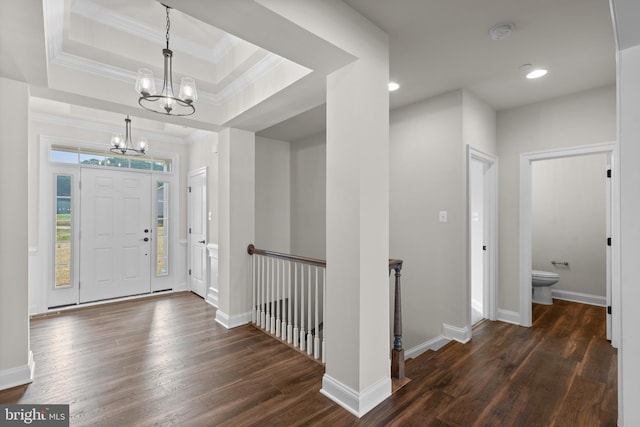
[(397, 354)]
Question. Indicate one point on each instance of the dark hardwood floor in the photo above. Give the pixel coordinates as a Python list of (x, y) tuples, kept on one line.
[(165, 361)]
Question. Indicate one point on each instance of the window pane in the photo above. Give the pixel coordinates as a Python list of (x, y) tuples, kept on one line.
[(64, 156), (91, 159), (162, 229), (63, 184), (140, 164), (63, 230), (117, 162)]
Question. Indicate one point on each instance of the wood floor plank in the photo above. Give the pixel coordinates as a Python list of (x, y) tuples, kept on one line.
[(165, 361)]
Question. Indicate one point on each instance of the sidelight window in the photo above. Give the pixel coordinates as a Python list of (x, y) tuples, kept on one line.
[(63, 221), (162, 227)]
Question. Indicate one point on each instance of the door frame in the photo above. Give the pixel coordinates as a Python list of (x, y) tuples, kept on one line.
[(41, 259), (490, 287), (525, 233)]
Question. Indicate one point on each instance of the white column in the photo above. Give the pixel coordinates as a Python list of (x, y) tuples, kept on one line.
[(358, 345), (236, 229), (16, 362), (629, 134)]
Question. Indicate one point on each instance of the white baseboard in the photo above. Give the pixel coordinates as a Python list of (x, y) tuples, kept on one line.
[(18, 376), (433, 344), (212, 297), (477, 306), (579, 297), (462, 335), (234, 320), (509, 316), (358, 403)]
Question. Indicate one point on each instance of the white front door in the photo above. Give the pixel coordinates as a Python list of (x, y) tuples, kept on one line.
[(197, 206), (115, 240)]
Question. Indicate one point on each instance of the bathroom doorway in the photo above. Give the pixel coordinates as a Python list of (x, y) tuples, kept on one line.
[(482, 184), (607, 247)]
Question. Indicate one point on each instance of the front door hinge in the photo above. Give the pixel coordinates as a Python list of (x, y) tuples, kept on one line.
[(189, 272), (608, 173), (189, 230), (609, 309), (608, 241), (189, 189)]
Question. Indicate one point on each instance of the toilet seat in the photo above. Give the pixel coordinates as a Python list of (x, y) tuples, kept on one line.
[(544, 274)]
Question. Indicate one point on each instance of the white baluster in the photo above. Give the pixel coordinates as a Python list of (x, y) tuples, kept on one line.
[(289, 325), (309, 334), (277, 283), (272, 325), (262, 287), (324, 311), (267, 306), (302, 305), (283, 311), (316, 339), (254, 286), (296, 331)]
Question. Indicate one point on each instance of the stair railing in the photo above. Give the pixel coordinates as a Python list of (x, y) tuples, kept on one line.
[(289, 302)]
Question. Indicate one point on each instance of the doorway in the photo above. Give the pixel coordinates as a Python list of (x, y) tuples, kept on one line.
[(611, 224), (482, 202), (197, 215), (115, 246)]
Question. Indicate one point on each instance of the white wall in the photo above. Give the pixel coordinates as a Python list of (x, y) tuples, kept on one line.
[(578, 119), (427, 175), (308, 197), (568, 222), (273, 208), (15, 355), (204, 153)]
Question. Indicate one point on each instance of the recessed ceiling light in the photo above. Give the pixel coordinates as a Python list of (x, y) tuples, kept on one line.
[(393, 86), (536, 73)]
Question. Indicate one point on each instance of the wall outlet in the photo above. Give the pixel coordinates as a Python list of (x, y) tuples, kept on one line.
[(442, 216)]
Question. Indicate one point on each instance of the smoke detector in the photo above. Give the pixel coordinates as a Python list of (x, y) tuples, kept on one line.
[(500, 31)]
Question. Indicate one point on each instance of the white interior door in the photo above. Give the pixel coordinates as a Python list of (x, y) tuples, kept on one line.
[(115, 239), (197, 206)]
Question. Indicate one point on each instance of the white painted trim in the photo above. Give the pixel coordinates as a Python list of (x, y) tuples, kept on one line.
[(509, 317), (18, 376), (358, 403), (462, 335), (434, 344), (579, 297), (234, 320), (490, 298), (525, 239), (182, 265)]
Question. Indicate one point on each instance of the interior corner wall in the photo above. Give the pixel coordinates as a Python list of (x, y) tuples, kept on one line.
[(273, 204), (14, 307), (204, 153), (586, 117), (479, 124), (427, 175), (308, 197)]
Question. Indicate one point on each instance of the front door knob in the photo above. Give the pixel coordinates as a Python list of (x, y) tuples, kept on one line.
[(201, 241)]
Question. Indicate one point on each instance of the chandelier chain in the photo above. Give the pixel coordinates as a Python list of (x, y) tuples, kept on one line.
[(168, 27)]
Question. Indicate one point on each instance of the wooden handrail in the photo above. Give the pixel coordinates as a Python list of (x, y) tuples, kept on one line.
[(313, 261)]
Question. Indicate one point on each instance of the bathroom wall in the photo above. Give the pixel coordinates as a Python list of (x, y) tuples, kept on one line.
[(578, 119), (568, 224)]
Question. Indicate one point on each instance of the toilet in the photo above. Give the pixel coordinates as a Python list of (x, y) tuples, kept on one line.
[(541, 282)]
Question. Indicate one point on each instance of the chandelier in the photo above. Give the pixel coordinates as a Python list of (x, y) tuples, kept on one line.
[(124, 145), (166, 102)]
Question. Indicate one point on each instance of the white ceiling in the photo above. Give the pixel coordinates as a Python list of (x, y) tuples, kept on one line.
[(95, 47)]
